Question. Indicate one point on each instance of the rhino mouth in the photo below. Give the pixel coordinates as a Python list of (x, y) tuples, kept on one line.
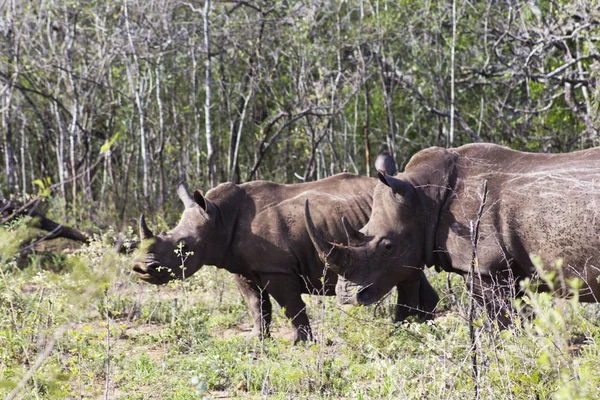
[(366, 295), (151, 272), (355, 294), (360, 295)]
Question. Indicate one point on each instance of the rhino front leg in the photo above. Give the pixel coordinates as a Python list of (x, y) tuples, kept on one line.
[(259, 303), (288, 294), (416, 297), (408, 298), (428, 298)]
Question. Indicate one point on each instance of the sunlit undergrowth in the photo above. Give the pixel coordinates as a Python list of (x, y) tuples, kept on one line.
[(109, 335)]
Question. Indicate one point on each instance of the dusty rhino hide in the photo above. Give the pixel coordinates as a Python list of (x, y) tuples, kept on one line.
[(536, 204), (256, 231)]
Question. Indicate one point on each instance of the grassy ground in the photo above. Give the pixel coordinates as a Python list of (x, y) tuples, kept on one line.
[(107, 335)]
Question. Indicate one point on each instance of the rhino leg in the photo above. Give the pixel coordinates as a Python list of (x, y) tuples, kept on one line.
[(428, 298), (286, 291), (416, 297), (259, 303), (494, 295), (408, 298)]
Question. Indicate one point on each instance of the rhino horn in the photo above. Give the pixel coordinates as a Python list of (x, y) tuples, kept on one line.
[(335, 256), (145, 232), (184, 195), (355, 237)]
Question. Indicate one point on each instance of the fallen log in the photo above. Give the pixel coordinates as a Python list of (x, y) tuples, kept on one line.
[(12, 209)]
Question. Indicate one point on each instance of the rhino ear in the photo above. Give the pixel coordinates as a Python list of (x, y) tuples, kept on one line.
[(206, 205), (381, 175), (385, 164), (399, 187)]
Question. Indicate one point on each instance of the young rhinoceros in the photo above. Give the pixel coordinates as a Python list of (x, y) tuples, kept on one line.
[(256, 231)]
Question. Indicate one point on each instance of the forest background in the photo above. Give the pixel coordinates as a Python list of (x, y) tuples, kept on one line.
[(117, 102), (105, 106)]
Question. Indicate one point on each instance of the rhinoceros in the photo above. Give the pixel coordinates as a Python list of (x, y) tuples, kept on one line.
[(256, 231), (545, 205)]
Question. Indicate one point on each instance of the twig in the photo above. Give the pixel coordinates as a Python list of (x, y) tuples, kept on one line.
[(107, 382), (475, 264)]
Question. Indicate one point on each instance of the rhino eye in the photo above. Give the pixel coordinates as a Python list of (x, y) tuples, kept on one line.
[(386, 244)]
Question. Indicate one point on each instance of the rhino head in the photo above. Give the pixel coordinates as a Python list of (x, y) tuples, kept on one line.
[(182, 251), (385, 252)]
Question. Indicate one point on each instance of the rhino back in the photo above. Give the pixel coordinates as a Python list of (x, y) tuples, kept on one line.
[(270, 234)]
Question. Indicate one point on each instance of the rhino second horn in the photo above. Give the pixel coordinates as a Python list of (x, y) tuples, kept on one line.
[(145, 232), (184, 195), (335, 256), (354, 236)]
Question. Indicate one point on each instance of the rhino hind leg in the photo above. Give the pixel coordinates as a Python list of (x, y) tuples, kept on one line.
[(494, 295), (416, 297), (259, 303)]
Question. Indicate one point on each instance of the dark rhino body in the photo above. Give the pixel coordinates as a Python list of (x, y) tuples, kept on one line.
[(537, 204), (256, 230)]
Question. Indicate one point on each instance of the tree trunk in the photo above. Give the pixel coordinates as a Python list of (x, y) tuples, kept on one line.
[(366, 130), (135, 86), (197, 150), (452, 52), (74, 118), (161, 136), (210, 151), (7, 104)]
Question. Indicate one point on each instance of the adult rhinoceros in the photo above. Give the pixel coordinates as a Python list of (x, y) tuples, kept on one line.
[(537, 204), (256, 231)]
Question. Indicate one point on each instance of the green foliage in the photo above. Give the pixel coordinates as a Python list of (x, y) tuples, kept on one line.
[(109, 143), (191, 339), (378, 68)]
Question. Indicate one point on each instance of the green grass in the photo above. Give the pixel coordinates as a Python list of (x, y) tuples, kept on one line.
[(128, 340)]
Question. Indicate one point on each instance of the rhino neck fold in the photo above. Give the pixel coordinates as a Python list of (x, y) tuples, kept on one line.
[(221, 246), (230, 220), (435, 195)]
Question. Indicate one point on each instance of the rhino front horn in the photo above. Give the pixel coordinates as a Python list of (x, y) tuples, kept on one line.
[(145, 232), (336, 257), (184, 195)]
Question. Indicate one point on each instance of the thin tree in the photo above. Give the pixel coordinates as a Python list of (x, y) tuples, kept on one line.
[(210, 151)]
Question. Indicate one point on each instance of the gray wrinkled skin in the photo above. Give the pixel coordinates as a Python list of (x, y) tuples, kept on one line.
[(537, 204), (256, 231)]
